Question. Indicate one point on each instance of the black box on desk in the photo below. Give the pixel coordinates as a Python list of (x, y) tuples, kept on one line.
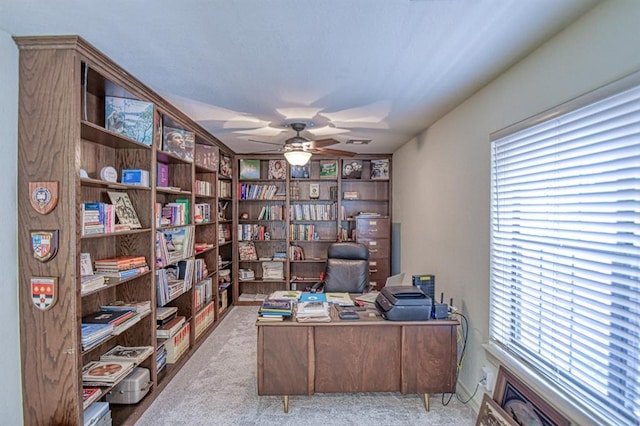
[(426, 283)]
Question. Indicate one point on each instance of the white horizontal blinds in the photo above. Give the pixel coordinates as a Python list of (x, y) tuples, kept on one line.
[(565, 252)]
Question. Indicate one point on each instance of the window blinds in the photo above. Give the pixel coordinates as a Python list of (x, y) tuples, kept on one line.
[(565, 251)]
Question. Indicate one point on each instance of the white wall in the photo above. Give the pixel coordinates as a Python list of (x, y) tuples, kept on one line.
[(10, 388), (441, 178)]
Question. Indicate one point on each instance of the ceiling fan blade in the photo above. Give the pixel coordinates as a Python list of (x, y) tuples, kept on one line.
[(268, 143), (324, 142), (337, 152)]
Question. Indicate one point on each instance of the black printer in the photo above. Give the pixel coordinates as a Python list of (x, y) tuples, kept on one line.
[(404, 303)]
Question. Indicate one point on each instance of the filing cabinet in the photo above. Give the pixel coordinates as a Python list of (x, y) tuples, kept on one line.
[(375, 234)]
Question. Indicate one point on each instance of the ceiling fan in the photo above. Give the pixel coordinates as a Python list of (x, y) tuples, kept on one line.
[(298, 149)]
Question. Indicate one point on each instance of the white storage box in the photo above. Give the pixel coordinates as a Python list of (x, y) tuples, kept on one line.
[(132, 388)]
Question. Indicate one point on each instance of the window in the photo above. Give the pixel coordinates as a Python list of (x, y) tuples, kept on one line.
[(565, 248)]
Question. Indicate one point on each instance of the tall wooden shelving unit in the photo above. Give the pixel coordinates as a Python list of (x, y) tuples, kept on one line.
[(312, 234), (62, 88)]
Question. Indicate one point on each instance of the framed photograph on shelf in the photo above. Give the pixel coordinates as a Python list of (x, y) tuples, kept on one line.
[(277, 169), (301, 172), (523, 404), (490, 414), (124, 210), (351, 169), (328, 169), (226, 168), (380, 169), (207, 156), (249, 169), (314, 191), (178, 142)]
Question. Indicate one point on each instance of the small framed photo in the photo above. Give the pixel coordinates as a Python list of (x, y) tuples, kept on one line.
[(301, 172), (226, 168), (522, 404), (328, 169), (351, 169), (314, 191), (380, 169), (490, 414), (249, 169), (277, 169)]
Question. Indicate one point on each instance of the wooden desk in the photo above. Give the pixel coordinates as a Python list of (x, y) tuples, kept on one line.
[(366, 355)]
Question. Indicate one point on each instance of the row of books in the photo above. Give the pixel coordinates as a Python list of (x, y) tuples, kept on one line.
[(275, 309), (173, 214), (252, 191), (204, 319), (97, 218), (304, 232), (296, 253), (203, 292), (174, 280), (271, 212), (202, 187), (252, 231), (224, 189), (312, 212), (201, 213)]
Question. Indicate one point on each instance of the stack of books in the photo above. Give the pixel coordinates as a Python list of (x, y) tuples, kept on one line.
[(101, 373), (313, 312), (94, 334), (120, 320), (135, 354), (97, 414), (120, 306), (275, 309), (122, 266), (167, 330)]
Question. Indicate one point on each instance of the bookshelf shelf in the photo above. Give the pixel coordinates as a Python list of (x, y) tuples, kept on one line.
[(68, 90)]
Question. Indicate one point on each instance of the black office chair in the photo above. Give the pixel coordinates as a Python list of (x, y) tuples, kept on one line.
[(347, 269)]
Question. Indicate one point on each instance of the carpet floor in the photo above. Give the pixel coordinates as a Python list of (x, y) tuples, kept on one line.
[(218, 386)]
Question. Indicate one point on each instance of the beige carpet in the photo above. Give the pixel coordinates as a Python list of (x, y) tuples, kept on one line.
[(218, 386)]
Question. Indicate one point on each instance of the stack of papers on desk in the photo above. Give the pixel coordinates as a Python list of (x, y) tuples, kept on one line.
[(313, 312), (340, 299)]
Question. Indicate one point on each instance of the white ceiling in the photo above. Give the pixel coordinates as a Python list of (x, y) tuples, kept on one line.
[(352, 69)]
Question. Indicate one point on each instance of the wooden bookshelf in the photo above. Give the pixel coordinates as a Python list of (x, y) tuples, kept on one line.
[(63, 129), (310, 212)]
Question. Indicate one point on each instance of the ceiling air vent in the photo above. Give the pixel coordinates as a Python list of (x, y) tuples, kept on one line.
[(358, 141)]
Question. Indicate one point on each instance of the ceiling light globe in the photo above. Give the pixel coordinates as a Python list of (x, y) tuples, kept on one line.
[(297, 158)]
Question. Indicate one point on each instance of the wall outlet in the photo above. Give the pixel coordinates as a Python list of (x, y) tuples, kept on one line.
[(487, 378)]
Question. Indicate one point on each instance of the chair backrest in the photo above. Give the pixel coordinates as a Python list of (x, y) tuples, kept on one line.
[(347, 268)]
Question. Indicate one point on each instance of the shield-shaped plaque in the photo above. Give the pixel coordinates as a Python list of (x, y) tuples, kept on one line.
[(44, 292), (44, 244), (44, 196)]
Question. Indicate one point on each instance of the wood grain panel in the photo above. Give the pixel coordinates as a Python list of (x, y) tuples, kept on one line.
[(48, 103), (428, 359), (284, 360), (357, 359)]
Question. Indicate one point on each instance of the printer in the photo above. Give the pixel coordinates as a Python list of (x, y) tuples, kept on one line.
[(404, 303)]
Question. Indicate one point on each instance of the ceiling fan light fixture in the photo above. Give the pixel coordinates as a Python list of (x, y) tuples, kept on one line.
[(297, 158)]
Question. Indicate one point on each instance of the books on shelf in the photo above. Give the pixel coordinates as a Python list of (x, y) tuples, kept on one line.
[(245, 274), (108, 317), (165, 314), (178, 142), (106, 371), (178, 344), (174, 280), (135, 354), (130, 117), (120, 263), (97, 414), (139, 307), (90, 394), (94, 334), (86, 266), (247, 250), (169, 329), (204, 319), (124, 210), (173, 245)]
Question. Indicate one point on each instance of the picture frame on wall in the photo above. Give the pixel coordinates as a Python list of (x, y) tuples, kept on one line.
[(226, 168), (522, 404), (351, 169), (328, 169), (277, 169), (301, 172), (249, 169)]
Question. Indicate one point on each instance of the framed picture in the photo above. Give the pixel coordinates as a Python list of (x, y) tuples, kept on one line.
[(226, 168), (522, 404), (125, 212), (249, 169), (328, 169), (490, 414), (178, 142), (314, 190), (380, 169), (351, 169), (301, 172), (207, 156), (277, 169)]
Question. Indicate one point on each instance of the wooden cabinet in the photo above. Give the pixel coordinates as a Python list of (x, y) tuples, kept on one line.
[(67, 136), (303, 211)]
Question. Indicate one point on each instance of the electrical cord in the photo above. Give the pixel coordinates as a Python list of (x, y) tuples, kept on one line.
[(465, 335)]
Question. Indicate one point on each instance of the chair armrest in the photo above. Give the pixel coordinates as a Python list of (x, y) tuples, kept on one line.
[(317, 287)]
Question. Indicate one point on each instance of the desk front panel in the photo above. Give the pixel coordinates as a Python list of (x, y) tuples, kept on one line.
[(285, 360), (357, 359)]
